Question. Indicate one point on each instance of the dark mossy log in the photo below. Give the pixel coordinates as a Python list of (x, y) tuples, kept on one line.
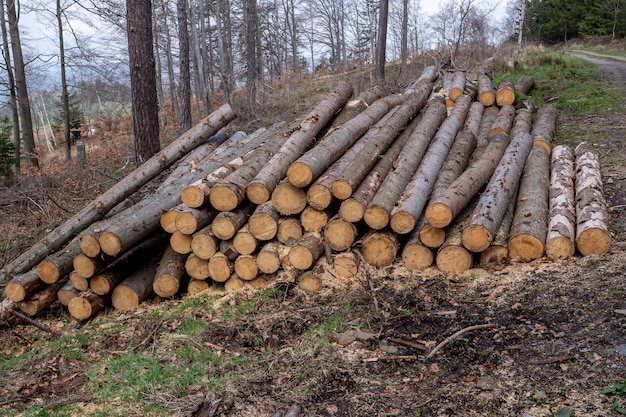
[(380, 248), (227, 194), (504, 121), (66, 293), (101, 205), (592, 218), (353, 208), (261, 187), (524, 85), (522, 123), (141, 220), (181, 242), (544, 127), (350, 178), (527, 237), (562, 210), (486, 92), (40, 301), (288, 199), (59, 264), (458, 85), (400, 171), (204, 243), (319, 194), (355, 106), (246, 267), (314, 162), (494, 201), (270, 257), (505, 93), (340, 234), (198, 268), (415, 255), (88, 267), (263, 223), (447, 206), (234, 283), (244, 242), (78, 281), (289, 230), (227, 223), (169, 274), (346, 264), (87, 304), (89, 245), (498, 251), (410, 206), (190, 220), (135, 289), (313, 220), (309, 248), (220, 267), (196, 286)]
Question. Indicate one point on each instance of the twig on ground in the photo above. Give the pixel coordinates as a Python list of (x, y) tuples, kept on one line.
[(457, 334), (32, 322), (391, 358), (150, 335), (369, 280)]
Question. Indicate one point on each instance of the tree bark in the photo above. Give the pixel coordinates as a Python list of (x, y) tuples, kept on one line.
[(169, 273), (562, 211), (406, 213), (380, 248), (505, 93), (135, 289), (355, 106), (522, 123), (486, 92), (204, 243), (86, 305), (529, 229), (227, 223), (378, 211), (260, 189), (263, 223), (309, 248), (59, 264), (592, 218), (24, 286), (504, 121), (524, 84), (544, 127), (66, 293), (458, 85), (185, 74), (43, 299)]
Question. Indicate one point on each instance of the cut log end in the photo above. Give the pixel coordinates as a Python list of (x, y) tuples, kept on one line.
[(224, 198), (80, 308), (257, 193), (593, 241), (84, 265), (438, 215), (48, 272), (402, 222), (124, 298), (487, 98), (313, 220), (100, 285), (15, 292), (192, 196), (233, 283), (246, 267), (476, 238), (351, 210), (89, 245), (376, 217), (525, 248), (341, 189), (289, 231), (78, 281), (301, 257), (345, 265), (417, 257), (223, 228), (494, 255), (453, 258), (220, 267), (196, 286), (167, 221), (263, 226), (181, 243), (319, 197), (310, 282), (203, 246), (299, 174), (432, 237), (380, 249), (244, 243), (560, 248), (166, 285), (110, 243), (339, 234), (288, 199)]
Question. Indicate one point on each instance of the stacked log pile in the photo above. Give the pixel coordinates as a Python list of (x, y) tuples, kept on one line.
[(442, 177)]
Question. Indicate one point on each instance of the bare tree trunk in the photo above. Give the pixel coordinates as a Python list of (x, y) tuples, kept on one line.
[(12, 91), (252, 32), (381, 44), (185, 75), (64, 93), (562, 212)]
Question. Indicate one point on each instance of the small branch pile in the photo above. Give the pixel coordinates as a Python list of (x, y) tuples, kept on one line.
[(399, 173)]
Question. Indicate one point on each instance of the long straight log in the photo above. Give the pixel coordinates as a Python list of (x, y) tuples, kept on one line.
[(524, 84), (494, 201), (87, 304), (227, 223), (378, 211), (592, 218), (505, 93), (527, 237), (544, 127), (59, 264), (504, 121), (314, 162), (169, 273), (309, 248), (24, 286), (105, 202), (355, 106), (522, 123), (409, 208), (135, 289), (458, 85), (260, 189), (562, 210), (486, 92), (43, 299), (498, 251)]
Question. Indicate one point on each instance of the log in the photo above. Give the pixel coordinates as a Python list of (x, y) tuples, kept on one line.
[(196, 286), (59, 264), (350, 178), (246, 267), (562, 210), (458, 85), (244, 242), (96, 209), (24, 286), (522, 123), (169, 273), (346, 265), (263, 223), (86, 305), (498, 251), (524, 84), (409, 208), (43, 299), (220, 267), (505, 93), (227, 223), (378, 211), (428, 235), (490, 114), (313, 163), (198, 268), (78, 281), (229, 193), (355, 106), (452, 256), (288, 199), (544, 127), (340, 234), (380, 248), (504, 121), (181, 242), (313, 220), (592, 219), (190, 220), (486, 92), (270, 257), (309, 248), (167, 221), (415, 255), (234, 283), (204, 243), (527, 237), (89, 245), (311, 282), (66, 293), (289, 231), (260, 189), (258, 283), (493, 203), (88, 267), (429, 74), (135, 289), (319, 195)]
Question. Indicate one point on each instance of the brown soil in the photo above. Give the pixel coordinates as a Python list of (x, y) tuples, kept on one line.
[(557, 337)]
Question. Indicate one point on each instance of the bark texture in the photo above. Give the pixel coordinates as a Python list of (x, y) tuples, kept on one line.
[(561, 236)]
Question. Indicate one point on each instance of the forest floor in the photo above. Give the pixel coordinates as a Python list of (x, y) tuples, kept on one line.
[(556, 340)]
